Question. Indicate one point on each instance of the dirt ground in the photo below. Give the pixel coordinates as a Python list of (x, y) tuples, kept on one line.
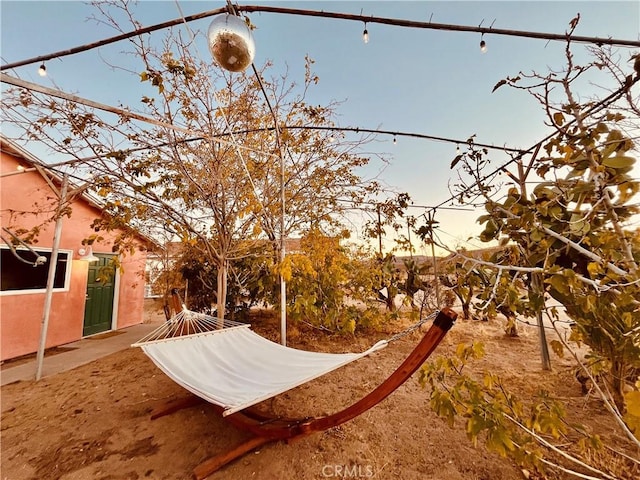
[(93, 422)]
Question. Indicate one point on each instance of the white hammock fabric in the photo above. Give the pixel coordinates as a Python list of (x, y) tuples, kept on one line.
[(236, 368)]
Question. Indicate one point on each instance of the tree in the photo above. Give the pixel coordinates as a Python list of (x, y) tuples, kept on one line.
[(204, 168), (573, 240), (388, 214)]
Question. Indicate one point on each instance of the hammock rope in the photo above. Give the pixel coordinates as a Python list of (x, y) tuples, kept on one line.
[(412, 328), (187, 323)]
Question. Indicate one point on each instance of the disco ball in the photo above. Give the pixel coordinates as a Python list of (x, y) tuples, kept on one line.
[(231, 43)]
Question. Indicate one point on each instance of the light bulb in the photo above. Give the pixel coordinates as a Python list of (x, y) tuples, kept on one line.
[(42, 71), (483, 46), (395, 140), (365, 35), (457, 149)]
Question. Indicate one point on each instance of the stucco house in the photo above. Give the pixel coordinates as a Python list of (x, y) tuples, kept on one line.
[(89, 297)]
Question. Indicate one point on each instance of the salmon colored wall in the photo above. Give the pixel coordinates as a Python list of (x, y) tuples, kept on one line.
[(131, 292), (21, 315)]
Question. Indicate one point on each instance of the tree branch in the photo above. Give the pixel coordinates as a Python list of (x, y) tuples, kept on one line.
[(560, 452), (608, 404)]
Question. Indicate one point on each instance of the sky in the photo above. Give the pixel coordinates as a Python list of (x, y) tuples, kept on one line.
[(406, 80)]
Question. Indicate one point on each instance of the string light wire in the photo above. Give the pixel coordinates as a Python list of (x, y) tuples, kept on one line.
[(333, 15), (396, 22), (17, 82)]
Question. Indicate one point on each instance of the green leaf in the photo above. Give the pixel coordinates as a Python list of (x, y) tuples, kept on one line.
[(483, 219), (578, 225), (559, 282), (619, 162), (536, 235)]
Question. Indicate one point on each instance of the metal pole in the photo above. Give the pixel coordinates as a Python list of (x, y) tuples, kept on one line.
[(537, 286), (51, 277), (283, 283), (379, 233), (536, 278), (409, 238), (435, 263)]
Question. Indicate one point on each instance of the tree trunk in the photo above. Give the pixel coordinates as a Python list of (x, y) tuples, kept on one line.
[(222, 291), (538, 296), (466, 310), (511, 328), (391, 298), (617, 381)]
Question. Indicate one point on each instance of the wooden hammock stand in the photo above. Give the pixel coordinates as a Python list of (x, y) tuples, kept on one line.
[(266, 429)]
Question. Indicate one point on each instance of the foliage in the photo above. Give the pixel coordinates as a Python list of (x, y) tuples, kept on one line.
[(570, 238), (423, 291), (571, 228), (388, 214), (186, 174), (326, 285), (528, 432)]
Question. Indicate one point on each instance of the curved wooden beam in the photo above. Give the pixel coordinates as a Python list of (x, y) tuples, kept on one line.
[(281, 429)]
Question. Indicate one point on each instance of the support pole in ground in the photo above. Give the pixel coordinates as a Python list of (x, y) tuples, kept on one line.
[(537, 286), (436, 282), (283, 283), (536, 278), (53, 262)]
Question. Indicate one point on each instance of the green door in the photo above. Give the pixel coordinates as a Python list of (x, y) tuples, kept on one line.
[(98, 308)]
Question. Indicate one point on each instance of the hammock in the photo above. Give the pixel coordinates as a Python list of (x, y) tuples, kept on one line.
[(233, 367)]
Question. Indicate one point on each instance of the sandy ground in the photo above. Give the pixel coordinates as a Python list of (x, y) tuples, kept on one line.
[(93, 422)]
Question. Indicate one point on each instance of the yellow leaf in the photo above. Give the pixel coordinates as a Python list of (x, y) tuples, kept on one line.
[(350, 325), (594, 269), (632, 399), (558, 117), (488, 381), (557, 348)]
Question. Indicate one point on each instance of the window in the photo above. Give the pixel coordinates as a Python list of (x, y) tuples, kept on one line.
[(18, 277)]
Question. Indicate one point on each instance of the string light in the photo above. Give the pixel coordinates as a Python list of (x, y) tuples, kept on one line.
[(483, 44), (395, 140), (42, 71), (457, 149), (562, 37), (365, 34)]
